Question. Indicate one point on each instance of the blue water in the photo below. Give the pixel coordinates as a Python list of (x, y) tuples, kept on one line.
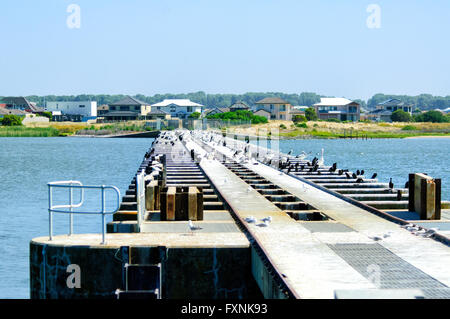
[(27, 164), (388, 158)]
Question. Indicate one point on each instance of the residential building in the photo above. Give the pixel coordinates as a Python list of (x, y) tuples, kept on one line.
[(180, 108), (21, 103), (26, 116), (77, 111), (216, 110), (127, 109), (384, 110), (239, 106), (263, 112), (337, 108), (158, 114), (278, 108), (102, 109)]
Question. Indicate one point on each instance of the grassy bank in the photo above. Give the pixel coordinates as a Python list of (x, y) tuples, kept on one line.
[(323, 129), (23, 131)]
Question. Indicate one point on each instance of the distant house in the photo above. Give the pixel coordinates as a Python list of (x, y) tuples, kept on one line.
[(21, 103), (278, 108), (5, 111), (296, 111), (239, 106), (263, 112), (384, 110), (216, 110), (74, 110), (337, 108), (102, 109), (127, 109), (180, 108), (26, 116), (158, 114)]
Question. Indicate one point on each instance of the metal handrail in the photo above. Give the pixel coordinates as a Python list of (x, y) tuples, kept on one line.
[(71, 185)]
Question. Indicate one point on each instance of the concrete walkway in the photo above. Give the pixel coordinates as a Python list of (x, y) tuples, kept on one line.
[(318, 263)]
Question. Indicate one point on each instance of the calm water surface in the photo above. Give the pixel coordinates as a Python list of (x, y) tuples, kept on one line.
[(394, 158), (27, 164)]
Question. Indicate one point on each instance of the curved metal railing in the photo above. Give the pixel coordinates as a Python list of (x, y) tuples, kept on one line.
[(68, 208)]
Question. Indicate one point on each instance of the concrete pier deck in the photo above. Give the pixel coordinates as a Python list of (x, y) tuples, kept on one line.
[(345, 255)]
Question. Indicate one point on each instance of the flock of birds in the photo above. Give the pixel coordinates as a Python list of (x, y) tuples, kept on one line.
[(242, 153)]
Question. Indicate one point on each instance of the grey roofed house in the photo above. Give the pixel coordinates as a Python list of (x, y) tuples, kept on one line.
[(393, 105), (272, 100), (129, 101), (121, 115), (5, 111), (263, 112), (239, 105), (216, 110), (21, 103)]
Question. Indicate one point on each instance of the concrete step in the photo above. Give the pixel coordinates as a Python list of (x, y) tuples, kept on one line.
[(282, 198), (356, 185), (275, 191), (128, 206), (292, 205), (387, 204), (216, 205), (129, 198), (367, 190), (340, 181), (186, 181), (377, 197)]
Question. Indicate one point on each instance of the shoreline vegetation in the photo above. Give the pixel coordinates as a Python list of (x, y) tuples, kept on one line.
[(284, 129)]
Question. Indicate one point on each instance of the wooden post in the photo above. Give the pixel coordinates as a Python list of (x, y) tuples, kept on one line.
[(437, 181), (170, 204), (181, 210), (411, 192), (192, 203), (150, 195)]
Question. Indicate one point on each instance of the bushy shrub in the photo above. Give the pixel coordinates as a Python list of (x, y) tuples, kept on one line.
[(333, 120), (302, 125), (11, 120), (47, 115), (432, 116), (401, 116), (194, 115), (240, 115), (310, 114), (409, 128), (282, 126), (299, 118)]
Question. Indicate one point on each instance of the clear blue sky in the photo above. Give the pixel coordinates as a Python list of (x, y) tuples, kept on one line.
[(224, 46)]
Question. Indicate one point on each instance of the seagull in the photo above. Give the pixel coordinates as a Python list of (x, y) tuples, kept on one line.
[(250, 219), (267, 219), (376, 238), (321, 161), (192, 227)]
